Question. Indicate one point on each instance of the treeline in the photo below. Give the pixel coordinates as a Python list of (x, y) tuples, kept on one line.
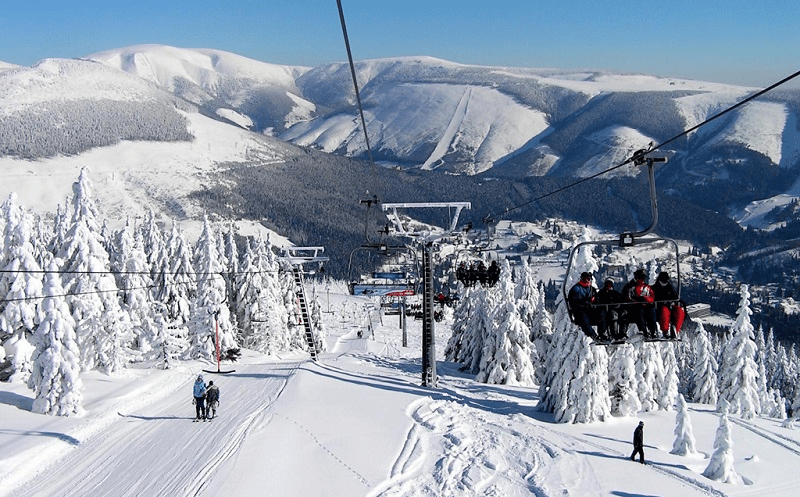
[(70, 127)]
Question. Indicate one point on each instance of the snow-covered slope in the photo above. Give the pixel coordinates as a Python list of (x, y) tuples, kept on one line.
[(422, 113), (218, 81), (356, 422)]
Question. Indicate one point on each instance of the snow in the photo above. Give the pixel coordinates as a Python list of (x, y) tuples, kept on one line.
[(129, 185), (357, 422), (164, 65)]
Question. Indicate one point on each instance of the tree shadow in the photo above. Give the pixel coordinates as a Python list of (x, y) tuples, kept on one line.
[(60, 436), (155, 418), (401, 385), (17, 400)]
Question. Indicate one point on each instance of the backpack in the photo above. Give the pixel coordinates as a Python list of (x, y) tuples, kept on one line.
[(199, 389)]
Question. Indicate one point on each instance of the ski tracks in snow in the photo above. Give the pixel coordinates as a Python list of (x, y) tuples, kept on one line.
[(159, 451), (453, 449)]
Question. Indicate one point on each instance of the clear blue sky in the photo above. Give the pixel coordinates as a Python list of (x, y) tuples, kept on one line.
[(752, 42)]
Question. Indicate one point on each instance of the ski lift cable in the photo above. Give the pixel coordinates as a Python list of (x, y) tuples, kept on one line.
[(355, 81), (92, 292), (145, 287), (639, 154)]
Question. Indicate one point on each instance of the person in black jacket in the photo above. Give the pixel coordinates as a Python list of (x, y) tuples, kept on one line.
[(638, 442), (608, 302), (212, 399)]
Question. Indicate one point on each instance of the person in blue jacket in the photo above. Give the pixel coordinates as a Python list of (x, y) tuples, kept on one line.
[(199, 393), (581, 298)]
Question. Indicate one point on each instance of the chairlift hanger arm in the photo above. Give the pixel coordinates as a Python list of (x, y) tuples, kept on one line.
[(458, 206)]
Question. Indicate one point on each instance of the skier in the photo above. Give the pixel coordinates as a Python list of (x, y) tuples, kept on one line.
[(212, 400), (669, 309), (638, 442), (608, 300), (493, 273), (199, 392), (581, 299), (642, 312)]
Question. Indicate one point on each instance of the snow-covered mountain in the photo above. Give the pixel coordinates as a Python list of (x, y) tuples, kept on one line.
[(422, 113), (513, 122)]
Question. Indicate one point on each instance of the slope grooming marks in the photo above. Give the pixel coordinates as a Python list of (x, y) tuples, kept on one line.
[(449, 135)]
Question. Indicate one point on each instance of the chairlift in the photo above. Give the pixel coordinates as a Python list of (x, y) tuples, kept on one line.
[(395, 276), (629, 243)]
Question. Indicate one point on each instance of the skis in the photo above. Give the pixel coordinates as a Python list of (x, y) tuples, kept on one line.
[(628, 340)]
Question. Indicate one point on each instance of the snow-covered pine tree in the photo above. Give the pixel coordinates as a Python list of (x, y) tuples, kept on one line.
[(210, 331), (263, 315), (622, 381), (169, 342), (738, 373), (133, 278), (796, 404), (507, 350), (55, 376), (22, 286), (704, 369), (720, 466), (176, 284), (649, 375), (541, 334), (102, 327), (684, 444), (461, 313), (478, 327), (668, 391), (232, 276), (770, 358)]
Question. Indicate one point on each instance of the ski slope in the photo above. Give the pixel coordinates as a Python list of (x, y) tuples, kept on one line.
[(357, 422)]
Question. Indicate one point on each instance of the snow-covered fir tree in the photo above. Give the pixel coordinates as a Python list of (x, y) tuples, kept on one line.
[(704, 369), (176, 284), (479, 326), (102, 326), (649, 375), (22, 286), (720, 466), (685, 443), (622, 381), (211, 331), (262, 314), (668, 391), (169, 341), (133, 279), (507, 350), (55, 378), (738, 372), (461, 314), (541, 334)]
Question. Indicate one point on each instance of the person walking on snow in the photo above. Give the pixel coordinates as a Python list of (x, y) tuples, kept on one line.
[(638, 442), (212, 400), (199, 392)]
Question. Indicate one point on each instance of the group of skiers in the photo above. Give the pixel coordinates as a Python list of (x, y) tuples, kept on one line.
[(206, 399), (477, 272), (649, 307)]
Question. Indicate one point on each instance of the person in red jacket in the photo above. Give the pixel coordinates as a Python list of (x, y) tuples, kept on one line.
[(640, 308), (669, 309)]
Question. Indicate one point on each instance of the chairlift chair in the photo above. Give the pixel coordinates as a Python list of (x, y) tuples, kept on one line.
[(630, 242)]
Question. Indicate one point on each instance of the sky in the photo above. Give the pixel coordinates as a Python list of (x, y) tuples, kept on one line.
[(745, 42)]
